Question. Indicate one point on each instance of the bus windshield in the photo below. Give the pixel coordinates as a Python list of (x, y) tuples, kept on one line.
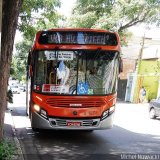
[(76, 72)]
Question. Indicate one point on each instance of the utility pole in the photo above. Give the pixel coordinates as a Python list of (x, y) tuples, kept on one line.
[(140, 54), (138, 70)]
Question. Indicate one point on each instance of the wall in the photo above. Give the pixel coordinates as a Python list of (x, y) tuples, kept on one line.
[(148, 76), (128, 67)]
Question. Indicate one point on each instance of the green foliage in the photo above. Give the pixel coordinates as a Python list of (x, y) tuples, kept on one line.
[(37, 15), (83, 21), (19, 61), (11, 71), (151, 95), (7, 150), (150, 70), (115, 15), (19, 65), (9, 96), (151, 87), (152, 67), (23, 48), (119, 14)]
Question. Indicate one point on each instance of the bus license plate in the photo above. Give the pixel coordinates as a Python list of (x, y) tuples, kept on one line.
[(74, 124)]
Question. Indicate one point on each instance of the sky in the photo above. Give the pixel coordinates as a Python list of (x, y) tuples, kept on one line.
[(149, 32), (66, 7)]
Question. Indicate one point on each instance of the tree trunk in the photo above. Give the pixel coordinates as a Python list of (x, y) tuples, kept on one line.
[(10, 13), (0, 22)]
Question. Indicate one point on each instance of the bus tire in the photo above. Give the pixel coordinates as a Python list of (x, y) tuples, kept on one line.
[(35, 129)]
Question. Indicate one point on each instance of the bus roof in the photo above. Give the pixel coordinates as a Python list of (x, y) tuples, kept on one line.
[(78, 29)]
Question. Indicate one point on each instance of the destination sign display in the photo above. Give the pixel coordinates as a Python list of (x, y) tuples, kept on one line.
[(61, 37), (62, 55)]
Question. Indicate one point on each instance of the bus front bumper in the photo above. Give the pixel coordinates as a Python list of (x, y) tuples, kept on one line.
[(39, 122)]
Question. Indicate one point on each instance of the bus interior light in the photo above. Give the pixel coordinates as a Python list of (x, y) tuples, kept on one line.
[(36, 107)]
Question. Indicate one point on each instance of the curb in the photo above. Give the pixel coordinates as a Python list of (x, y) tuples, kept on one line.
[(16, 141)]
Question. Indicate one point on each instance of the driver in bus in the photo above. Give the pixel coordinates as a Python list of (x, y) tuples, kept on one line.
[(52, 73)]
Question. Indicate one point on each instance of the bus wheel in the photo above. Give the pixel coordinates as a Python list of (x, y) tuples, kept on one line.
[(35, 129)]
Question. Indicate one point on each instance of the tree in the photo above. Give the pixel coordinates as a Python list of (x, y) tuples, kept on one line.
[(10, 14), (37, 15), (117, 15), (33, 14), (19, 68), (19, 60)]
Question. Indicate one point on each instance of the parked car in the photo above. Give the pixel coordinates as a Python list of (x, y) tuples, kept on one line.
[(15, 89), (154, 108), (22, 88)]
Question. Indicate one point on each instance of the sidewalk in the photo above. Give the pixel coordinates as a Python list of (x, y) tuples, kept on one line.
[(10, 134)]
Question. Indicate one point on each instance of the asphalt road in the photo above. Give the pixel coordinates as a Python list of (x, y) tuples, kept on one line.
[(133, 136)]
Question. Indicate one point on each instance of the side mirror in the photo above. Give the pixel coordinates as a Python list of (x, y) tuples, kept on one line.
[(30, 71), (29, 59), (29, 66)]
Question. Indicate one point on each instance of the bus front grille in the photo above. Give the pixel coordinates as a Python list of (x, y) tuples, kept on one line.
[(70, 123), (75, 103)]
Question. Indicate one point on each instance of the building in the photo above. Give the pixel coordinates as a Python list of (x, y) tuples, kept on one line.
[(129, 57), (147, 70)]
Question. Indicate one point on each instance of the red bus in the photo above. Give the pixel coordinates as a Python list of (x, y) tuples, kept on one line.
[(72, 79)]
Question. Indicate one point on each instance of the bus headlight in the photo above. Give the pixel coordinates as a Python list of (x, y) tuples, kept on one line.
[(36, 107), (105, 114), (108, 112)]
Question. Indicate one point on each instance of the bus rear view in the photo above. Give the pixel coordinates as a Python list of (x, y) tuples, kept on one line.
[(72, 80)]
